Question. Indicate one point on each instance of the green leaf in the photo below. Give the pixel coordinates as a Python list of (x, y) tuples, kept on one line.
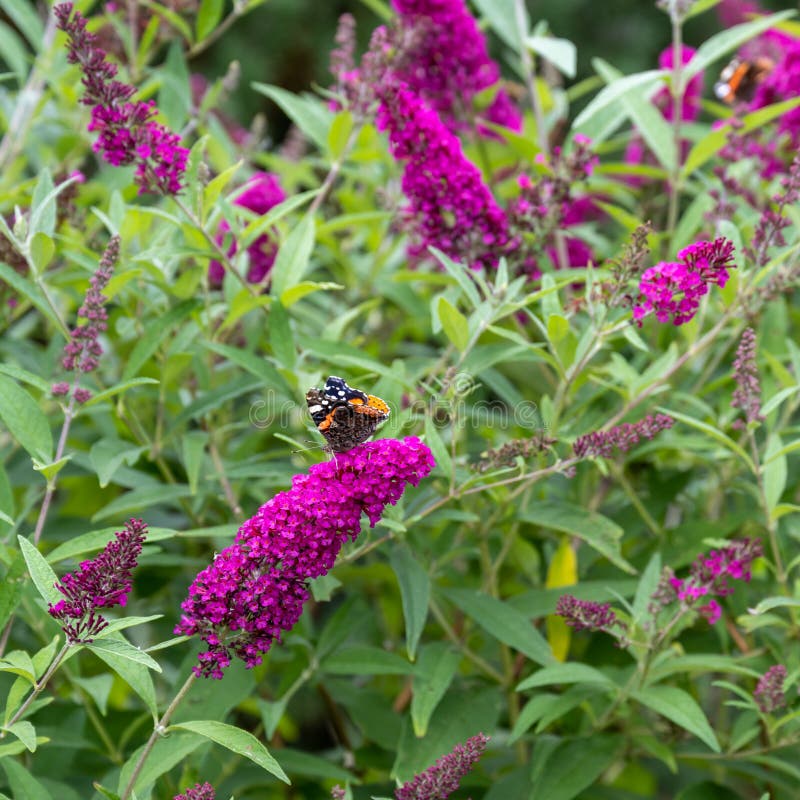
[(255, 365), (236, 740), (460, 274), (679, 707), (597, 531), (119, 389), (25, 420), (43, 206), (768, 603), (108, 455), (14, 52), (415, 589), (724, 42), (501, 15), (42, 575), (31, 292), (23, 784), (713, 141), (193, 446), (365, 660), (714, 433), (25, 732), (774, 471), (25, 17), (561, 53), (339, 134), (208, 16), (296, 293), (647, 585), (293, 257), (434, 672), (639, 81), (454, 323), (281, 339), (444, 464), (134, 673), (124, 649), (566, 673), (655, 130), (504, 623), (145, 496), (309, 113), (154, 335), (42, 250), (574, 766)]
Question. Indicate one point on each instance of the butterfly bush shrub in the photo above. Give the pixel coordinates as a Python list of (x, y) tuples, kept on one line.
[(544, 544)]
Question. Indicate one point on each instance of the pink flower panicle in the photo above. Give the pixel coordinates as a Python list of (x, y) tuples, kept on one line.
[(82, 351), (586, 615), (102, 582), (449, 205), (260, 194), (255, 589), (773, 220), (769, 693), (548, 205), (444, 777), (673, 289), (709, 576), (747, 395), (623, 437), (447, 63), (200, 791), (126, 130)]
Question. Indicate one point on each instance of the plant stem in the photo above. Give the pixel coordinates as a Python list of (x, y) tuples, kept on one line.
[(39, 686), (677, 109), (159, 730), (69, 415)]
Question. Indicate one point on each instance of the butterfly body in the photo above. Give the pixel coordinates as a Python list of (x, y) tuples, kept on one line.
[(345, 416), (740, 79)]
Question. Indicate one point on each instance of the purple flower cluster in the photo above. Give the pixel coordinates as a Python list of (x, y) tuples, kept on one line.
[(82, 351), (621, 437), (586, 615), (673, 289), (260, 194), (444, 777), (709, 575), (547, 205), (448, 63), (255, 589), (747, 395), (769, 691), (200, 791), (103, 582), (449, 205), (127, 131)]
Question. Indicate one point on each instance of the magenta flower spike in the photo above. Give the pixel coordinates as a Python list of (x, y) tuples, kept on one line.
[(255, 589), (449, 205), (103, 582), (672, 290), (444, 777), (127, 132)]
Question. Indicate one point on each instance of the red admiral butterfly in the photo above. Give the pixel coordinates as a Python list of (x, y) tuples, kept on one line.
[(740, 79), (345, 416)]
